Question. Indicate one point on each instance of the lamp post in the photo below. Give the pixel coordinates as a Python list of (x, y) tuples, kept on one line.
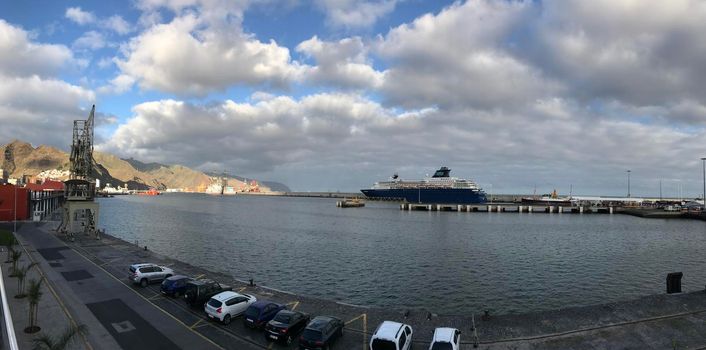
[(14, 224), (628, 183), (703, 162)]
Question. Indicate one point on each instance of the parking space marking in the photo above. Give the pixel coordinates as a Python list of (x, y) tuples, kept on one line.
[(199, 276), (142, 296), (295, 303), (269, 347), (155, 297), (241, 289), (364, 318), (196, 323)]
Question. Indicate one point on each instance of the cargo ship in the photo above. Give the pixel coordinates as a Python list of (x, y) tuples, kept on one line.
[(440, 188)]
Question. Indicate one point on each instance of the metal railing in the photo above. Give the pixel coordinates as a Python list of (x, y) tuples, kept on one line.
[(7, 318)]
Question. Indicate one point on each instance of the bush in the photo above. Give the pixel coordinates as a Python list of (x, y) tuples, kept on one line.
[(6, 237)]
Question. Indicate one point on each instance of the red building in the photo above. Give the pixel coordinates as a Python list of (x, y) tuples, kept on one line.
[(8, 204)]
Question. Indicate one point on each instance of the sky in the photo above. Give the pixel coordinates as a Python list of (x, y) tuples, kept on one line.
[(333, 95)]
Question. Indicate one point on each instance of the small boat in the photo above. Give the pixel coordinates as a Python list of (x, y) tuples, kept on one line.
[(551, 200), (151, 192), (350, 203)]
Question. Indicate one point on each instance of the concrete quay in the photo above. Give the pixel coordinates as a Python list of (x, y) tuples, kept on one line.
[(652, 322), (510, 208)]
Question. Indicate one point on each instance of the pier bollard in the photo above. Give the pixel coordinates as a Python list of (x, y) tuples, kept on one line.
[(458, 207), (674, 282), (561, 209), (551, 209), (519, 209), (429, 207), (490, 208), (610, 210), (581, 209), (529, 208)]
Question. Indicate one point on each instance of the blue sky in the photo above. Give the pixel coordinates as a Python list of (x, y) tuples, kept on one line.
[(336, 94)]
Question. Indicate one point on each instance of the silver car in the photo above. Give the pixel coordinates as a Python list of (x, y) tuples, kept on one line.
[(146, 273)]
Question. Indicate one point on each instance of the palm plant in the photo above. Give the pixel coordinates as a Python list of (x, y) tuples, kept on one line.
[(60, 342), (9, 245), (34, 294), (16, 255), (21, 273)]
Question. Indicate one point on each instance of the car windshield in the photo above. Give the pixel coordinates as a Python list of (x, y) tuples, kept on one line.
[(283, 318), (252, 312), (311, 334), (441, 346), (167, 282), (215, 303), (132, 269), (381, 344)]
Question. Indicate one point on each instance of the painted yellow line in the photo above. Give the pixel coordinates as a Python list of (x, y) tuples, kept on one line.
[(196, 324), (58, 299), (241, 289), (199, 276), (269, 347), (365, 331), (295, 303), (355, 319), (153, 304)]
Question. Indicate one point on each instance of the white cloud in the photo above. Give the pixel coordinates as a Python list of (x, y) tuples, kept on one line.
[(79, 16), (343, 63), (117, 24), (33, 103), (20, 56), (118, 85), (355, 13), (90, 40), (458, 58), (192, 57)]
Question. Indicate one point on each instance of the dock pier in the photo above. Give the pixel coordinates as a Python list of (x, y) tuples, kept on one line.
[(508, 208)]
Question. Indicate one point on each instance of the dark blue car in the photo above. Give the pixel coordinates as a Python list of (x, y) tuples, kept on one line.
[(175, 285), (259, 313)]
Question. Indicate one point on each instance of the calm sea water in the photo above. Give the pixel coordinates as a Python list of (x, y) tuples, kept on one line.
[(444, 262)]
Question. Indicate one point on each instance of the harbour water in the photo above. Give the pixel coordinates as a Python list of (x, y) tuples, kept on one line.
[(444, 262)]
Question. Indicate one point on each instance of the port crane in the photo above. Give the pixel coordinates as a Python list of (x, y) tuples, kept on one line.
[(80, 211)]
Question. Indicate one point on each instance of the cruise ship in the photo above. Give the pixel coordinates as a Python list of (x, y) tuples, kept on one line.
[(440, 188)]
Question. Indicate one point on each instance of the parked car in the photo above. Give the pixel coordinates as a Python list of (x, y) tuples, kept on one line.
[(146, 273), (226, 305), (259, 313), (198, 292), (320, 333), (286, 325), (392, 336), (174, 285), (445, 339)]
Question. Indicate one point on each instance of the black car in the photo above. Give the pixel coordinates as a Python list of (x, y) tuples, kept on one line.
[(198, 292), (286, 325), (175, 285), (321, 332), (260, 312)]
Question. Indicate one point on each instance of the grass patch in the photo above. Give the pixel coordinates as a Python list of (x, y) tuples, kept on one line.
[(6, 237)]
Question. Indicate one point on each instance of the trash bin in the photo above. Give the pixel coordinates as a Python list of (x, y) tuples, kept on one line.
[(674, 282)]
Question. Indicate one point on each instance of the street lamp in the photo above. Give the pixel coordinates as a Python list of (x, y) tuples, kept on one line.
[(14, 228), (703, 162), (628, 183)]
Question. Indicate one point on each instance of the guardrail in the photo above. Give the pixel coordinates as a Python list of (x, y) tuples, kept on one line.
[(7, 317)]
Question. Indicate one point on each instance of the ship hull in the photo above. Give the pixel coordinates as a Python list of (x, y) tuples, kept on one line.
[(428, 195)]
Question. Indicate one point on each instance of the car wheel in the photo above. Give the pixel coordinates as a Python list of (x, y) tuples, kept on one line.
[(226, 319), (143, 282)]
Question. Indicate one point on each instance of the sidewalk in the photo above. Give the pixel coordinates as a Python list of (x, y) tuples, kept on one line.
[(52, 317)]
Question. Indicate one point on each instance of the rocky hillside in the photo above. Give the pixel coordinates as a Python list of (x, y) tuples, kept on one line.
[(20, 158)]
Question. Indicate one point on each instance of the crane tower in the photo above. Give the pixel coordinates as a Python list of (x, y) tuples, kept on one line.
[(80, 208)]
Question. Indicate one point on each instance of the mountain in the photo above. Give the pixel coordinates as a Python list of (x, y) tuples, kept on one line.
[(20, 158)]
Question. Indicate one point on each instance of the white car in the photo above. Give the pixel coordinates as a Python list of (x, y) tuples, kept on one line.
[(446, 339), (226, 305), (392, 335), (146, 273)]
